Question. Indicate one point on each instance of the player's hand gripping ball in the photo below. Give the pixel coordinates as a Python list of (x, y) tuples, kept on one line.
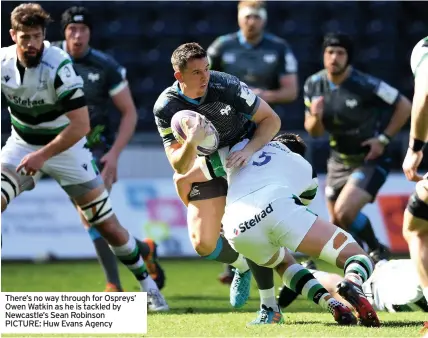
[(184, 122)]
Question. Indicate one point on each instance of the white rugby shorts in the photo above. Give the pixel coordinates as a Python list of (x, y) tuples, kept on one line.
[(74, 169), (258, 224)]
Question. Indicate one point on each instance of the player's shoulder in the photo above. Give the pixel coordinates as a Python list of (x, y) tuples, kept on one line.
[(419, 54), (221, 80), (8, 53), (54, 57), (276, 41), (102, 58), (60, 44), (224, 40), (164, 100), (364, 79), (315, 78)]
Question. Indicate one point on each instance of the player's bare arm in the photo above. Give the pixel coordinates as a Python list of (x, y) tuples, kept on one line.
[(268, 125), (128, 121), (313, 117)]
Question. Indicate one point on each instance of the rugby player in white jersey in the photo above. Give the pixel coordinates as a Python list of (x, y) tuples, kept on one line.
[(415, 228), (50, 119), (264, 216)]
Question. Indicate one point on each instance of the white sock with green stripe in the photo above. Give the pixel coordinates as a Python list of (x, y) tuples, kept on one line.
[(358, 269), (303, 282), (130, 255)]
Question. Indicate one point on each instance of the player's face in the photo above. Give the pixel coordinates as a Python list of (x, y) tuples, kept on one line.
[(196, 76), (77, 36), (29, 44), (251, 25), (335, 60)]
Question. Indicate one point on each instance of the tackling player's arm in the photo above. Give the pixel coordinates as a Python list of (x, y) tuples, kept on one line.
[(313, 112), (267, 121), (69, 89), (288, 80), (121, 96)]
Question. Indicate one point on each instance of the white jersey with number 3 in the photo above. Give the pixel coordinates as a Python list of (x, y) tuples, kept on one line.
[(274, 164)]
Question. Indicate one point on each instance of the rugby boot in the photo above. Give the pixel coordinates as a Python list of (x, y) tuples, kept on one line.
[(240, 288), (152, 264), (156, 302), (342, 315), (110, 287), (268, 316), (355, 296), (226, 277)]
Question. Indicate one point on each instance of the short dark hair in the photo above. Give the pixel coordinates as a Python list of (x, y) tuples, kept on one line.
[(293, 142), (29, 15), (185, 53)]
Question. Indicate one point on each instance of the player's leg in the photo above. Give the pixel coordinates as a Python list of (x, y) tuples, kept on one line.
[(335, 246), (415, 231), (361, 189), (87, 190), (302, 281), (205, 208)]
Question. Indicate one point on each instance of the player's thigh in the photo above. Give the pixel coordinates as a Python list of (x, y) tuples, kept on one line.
[(76, 172), (294, 221), (205, 211), (13, 183), (247, 228), (416, 213)]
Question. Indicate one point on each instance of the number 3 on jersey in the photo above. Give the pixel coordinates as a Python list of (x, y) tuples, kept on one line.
[(265, 158)]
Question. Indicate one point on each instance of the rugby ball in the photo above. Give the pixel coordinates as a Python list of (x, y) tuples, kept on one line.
[(185, 119)]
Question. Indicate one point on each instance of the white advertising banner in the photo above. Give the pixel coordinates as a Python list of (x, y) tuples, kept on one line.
[(43, 222)]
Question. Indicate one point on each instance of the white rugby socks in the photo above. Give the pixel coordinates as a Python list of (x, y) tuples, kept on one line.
[(240, 264), (267, 298)]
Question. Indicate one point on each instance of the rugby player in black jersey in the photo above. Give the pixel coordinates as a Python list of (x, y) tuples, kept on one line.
[(236, 112), (103, 79), (266, 63), (349, 105)]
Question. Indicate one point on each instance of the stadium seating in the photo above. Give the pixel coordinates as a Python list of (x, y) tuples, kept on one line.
[(142, 36)]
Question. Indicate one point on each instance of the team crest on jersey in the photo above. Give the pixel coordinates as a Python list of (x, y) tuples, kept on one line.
[(93, 77), (225, 111), (351, 103)]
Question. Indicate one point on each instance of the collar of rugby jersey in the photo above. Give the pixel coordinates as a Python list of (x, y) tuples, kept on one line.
[(244, 43)]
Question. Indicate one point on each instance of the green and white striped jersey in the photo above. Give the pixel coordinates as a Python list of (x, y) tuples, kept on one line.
[(36, 99), (419, 58)]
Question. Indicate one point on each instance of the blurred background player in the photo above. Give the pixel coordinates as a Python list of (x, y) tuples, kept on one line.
[(349, 104), (415, 227), (50, 121), (103, 79), (266, 63), (394, 286), (243, 114)]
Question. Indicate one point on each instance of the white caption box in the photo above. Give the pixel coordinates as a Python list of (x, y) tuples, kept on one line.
[(73, 312)]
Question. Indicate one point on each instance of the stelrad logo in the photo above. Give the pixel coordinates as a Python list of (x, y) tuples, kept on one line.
[(247, 225)]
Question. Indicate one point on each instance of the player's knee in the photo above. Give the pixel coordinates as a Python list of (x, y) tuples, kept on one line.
[(99, 210), (336, 247), (344, 216), (3, 204), (204, 246)]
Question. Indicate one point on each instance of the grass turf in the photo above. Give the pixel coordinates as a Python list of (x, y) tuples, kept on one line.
[(200, 304)]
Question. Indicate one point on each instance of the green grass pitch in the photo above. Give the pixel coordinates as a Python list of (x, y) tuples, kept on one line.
[(200, 304)]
